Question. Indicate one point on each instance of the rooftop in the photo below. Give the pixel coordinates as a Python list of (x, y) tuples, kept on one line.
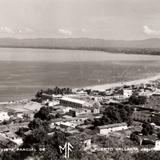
[(73, 100), (112, 125)]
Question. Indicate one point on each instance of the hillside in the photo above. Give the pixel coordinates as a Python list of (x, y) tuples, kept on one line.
[(148, 46)]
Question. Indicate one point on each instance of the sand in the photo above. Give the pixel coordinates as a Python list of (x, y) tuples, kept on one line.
[(103, 87)]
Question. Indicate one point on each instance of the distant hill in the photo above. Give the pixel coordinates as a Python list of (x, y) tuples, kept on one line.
[(148, 46)]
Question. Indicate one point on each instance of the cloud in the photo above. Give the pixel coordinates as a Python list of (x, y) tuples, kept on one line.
[(29, 30), (26, 30), (65, 32), (149, 31), (6, 30)]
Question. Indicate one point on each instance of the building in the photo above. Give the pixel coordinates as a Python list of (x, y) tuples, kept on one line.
[(78, 111), (95, 110), (84, 127), (157, 145), (20, 115), (47, 97), (6, 143), (142, 116), (81, 93), (83, 138), (57, 97), (4, 116), (106, 129), (61, 109), (53, 103), (70, 102), (127, 93)]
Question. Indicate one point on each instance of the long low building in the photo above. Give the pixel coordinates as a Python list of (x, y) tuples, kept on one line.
[(71, 102), (105, 129)]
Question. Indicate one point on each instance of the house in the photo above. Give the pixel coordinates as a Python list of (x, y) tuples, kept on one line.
[(142, 116), (95, 110), (20, 115), (84, 127), (4, 116), (18, 141), (16, 126), (61, 109), (68, 124), (157, 145), (105, 129), (53, 103), (57, 97), (127, 93), (83, 138), (81, 93), (6, 143), (56, 122), (78, 111)]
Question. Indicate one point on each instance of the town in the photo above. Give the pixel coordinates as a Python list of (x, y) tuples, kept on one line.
[(91, 120)]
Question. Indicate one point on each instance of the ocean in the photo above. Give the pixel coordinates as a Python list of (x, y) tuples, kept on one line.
[(25, 71)]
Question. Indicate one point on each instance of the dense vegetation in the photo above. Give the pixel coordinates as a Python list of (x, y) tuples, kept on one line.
[(39, 139), (116, 113), (55, 91), (147, 129), (39, 96), (137, 100)]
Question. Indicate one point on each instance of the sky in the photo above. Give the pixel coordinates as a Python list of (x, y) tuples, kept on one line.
[(104, 19)]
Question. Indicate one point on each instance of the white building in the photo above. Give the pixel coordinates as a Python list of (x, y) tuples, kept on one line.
[(157, 145), (127, 93), (69, 124), (81, 93), (53, 103), (20, 115), (56, 97), (4, 116), (104, 130)]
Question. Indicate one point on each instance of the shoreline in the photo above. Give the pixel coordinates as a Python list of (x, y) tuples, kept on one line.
[(103, 87)]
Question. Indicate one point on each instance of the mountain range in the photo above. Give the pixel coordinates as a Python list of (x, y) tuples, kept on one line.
[(151, 45)]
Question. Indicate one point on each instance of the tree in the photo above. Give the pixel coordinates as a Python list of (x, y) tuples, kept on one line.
[(38, 123), (52, 144), (21, 131), (156, 119), (152, 155), (147, 129), (115, 114), (158, 135), (137, 100), (43, 113), (121, 155), (36, 139), (134, 136), (6, 156), (39, 94)]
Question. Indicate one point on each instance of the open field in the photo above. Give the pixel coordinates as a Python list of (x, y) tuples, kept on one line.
[(27, 107)]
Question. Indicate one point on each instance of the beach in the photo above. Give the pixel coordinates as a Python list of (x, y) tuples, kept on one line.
[(103, 87)]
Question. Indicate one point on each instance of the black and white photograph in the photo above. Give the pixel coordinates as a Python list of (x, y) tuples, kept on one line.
[(79, 80)]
